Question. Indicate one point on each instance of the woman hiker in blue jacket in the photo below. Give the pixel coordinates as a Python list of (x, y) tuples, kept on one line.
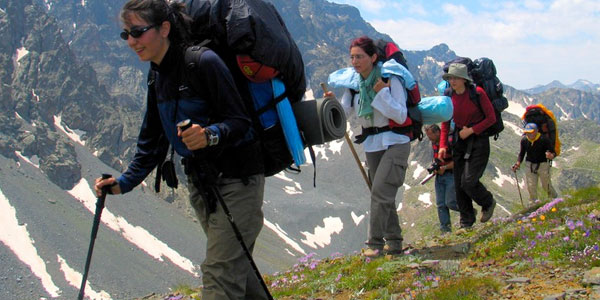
[(220, 141)]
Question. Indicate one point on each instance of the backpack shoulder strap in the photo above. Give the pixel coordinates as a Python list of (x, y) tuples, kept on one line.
[(193, 53), (353, 93)]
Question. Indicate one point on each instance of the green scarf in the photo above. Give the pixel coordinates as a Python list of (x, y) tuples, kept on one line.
[(367, 94)]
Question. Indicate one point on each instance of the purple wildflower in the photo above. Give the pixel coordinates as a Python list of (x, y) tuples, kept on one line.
[(579, 224), (566, 238), (380, 269), (338, 277), (570, 224)]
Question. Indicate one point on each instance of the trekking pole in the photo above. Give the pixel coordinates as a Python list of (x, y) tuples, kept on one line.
[(95, 225), (185, 124), (349, 142), (549, 179), (519, 188)]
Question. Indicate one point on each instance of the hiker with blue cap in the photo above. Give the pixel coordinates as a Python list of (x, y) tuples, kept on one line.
[(540, 153)]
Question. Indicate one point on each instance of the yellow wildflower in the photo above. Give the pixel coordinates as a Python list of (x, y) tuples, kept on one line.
[(542, 217)]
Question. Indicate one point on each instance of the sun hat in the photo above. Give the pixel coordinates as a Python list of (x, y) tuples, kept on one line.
[(530, 127), (457, 70)]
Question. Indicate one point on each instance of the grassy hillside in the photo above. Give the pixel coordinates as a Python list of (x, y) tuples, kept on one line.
[(548, 249)]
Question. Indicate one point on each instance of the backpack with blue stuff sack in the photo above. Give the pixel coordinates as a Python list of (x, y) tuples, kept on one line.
[(393, 63)]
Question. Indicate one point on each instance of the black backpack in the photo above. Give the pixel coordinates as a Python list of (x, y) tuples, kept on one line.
[(265, 28)]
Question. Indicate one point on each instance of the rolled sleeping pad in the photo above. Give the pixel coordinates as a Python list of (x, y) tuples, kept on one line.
[(288, 124), (321, 120), (435, 109)]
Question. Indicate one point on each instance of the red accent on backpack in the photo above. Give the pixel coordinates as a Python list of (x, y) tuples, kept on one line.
[(255, 71)]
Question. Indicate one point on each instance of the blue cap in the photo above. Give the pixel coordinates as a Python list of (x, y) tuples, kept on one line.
[(530, 127)]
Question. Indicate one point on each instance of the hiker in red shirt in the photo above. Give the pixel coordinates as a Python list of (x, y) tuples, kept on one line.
[(471, 150)]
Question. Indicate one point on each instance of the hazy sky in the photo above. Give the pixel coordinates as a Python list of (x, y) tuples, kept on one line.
[(531, 42)]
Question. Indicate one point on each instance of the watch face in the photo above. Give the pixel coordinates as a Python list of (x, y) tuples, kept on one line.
[(212, 138)]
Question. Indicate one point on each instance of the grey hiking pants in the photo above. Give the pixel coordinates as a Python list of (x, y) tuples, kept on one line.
[(387, 170), (226, 271)]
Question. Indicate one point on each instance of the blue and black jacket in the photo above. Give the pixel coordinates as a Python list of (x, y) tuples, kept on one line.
[(208, 96)]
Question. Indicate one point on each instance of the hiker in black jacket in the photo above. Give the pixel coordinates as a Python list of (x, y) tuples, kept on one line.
[(539, 152), (219, 149)]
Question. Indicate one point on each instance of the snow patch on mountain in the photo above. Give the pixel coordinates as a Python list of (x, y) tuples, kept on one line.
[(73, 135), (516, 129), (418, 169), (425, 198), (357, 219), (16, 237), (284, 236), (515, 108), (322, 235), (501, 178), (34, 160), (74, 279), (134, 234)]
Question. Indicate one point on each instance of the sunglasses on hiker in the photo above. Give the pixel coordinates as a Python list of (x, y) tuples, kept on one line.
[(135, 32)]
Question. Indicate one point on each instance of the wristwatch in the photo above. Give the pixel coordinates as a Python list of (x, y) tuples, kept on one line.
[(212, 138)]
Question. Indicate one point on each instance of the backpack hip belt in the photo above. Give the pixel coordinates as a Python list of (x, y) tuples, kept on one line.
[(366, 132)]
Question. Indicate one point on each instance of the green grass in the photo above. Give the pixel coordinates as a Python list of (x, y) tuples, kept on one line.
[(561, 232), (468, 288)]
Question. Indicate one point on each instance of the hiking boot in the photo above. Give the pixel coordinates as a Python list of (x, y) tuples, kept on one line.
[(371, 252), (387, 250), (487, 213)]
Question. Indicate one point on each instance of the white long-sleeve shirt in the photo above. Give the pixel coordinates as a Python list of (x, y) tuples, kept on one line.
[(389, 103)]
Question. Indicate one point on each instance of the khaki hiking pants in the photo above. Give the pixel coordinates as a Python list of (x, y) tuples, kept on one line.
[(387, 170), (226, 271), (532, 175)]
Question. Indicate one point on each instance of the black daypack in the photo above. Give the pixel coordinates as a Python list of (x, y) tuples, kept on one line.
[(252, 28), (483, 73)]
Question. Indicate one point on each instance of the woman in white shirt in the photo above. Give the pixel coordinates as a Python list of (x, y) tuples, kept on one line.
[(375, 103)]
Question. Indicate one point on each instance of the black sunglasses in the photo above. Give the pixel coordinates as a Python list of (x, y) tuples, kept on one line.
[(135, 32)]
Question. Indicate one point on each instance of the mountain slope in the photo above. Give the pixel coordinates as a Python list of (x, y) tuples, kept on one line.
[(72, 98)]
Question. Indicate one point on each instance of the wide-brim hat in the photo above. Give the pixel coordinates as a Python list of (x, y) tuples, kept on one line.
[(457, 70)]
